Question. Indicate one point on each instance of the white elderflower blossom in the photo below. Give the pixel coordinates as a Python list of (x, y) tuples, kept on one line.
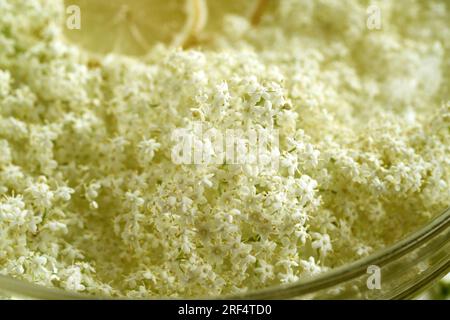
[(91, 199), (64, 193), (147, 149), (41, 194), (310, 266), (322, 243)]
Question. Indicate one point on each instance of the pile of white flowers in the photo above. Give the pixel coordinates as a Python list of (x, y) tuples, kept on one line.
[(91, 201)]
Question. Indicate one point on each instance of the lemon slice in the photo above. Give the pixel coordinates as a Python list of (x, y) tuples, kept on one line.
[(132, 27), (250, 9), (216, 12)]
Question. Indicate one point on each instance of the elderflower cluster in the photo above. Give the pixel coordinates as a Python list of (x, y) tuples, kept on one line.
[(91, 200)]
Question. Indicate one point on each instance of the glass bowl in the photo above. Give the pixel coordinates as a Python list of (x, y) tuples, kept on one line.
[(401, 271)]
